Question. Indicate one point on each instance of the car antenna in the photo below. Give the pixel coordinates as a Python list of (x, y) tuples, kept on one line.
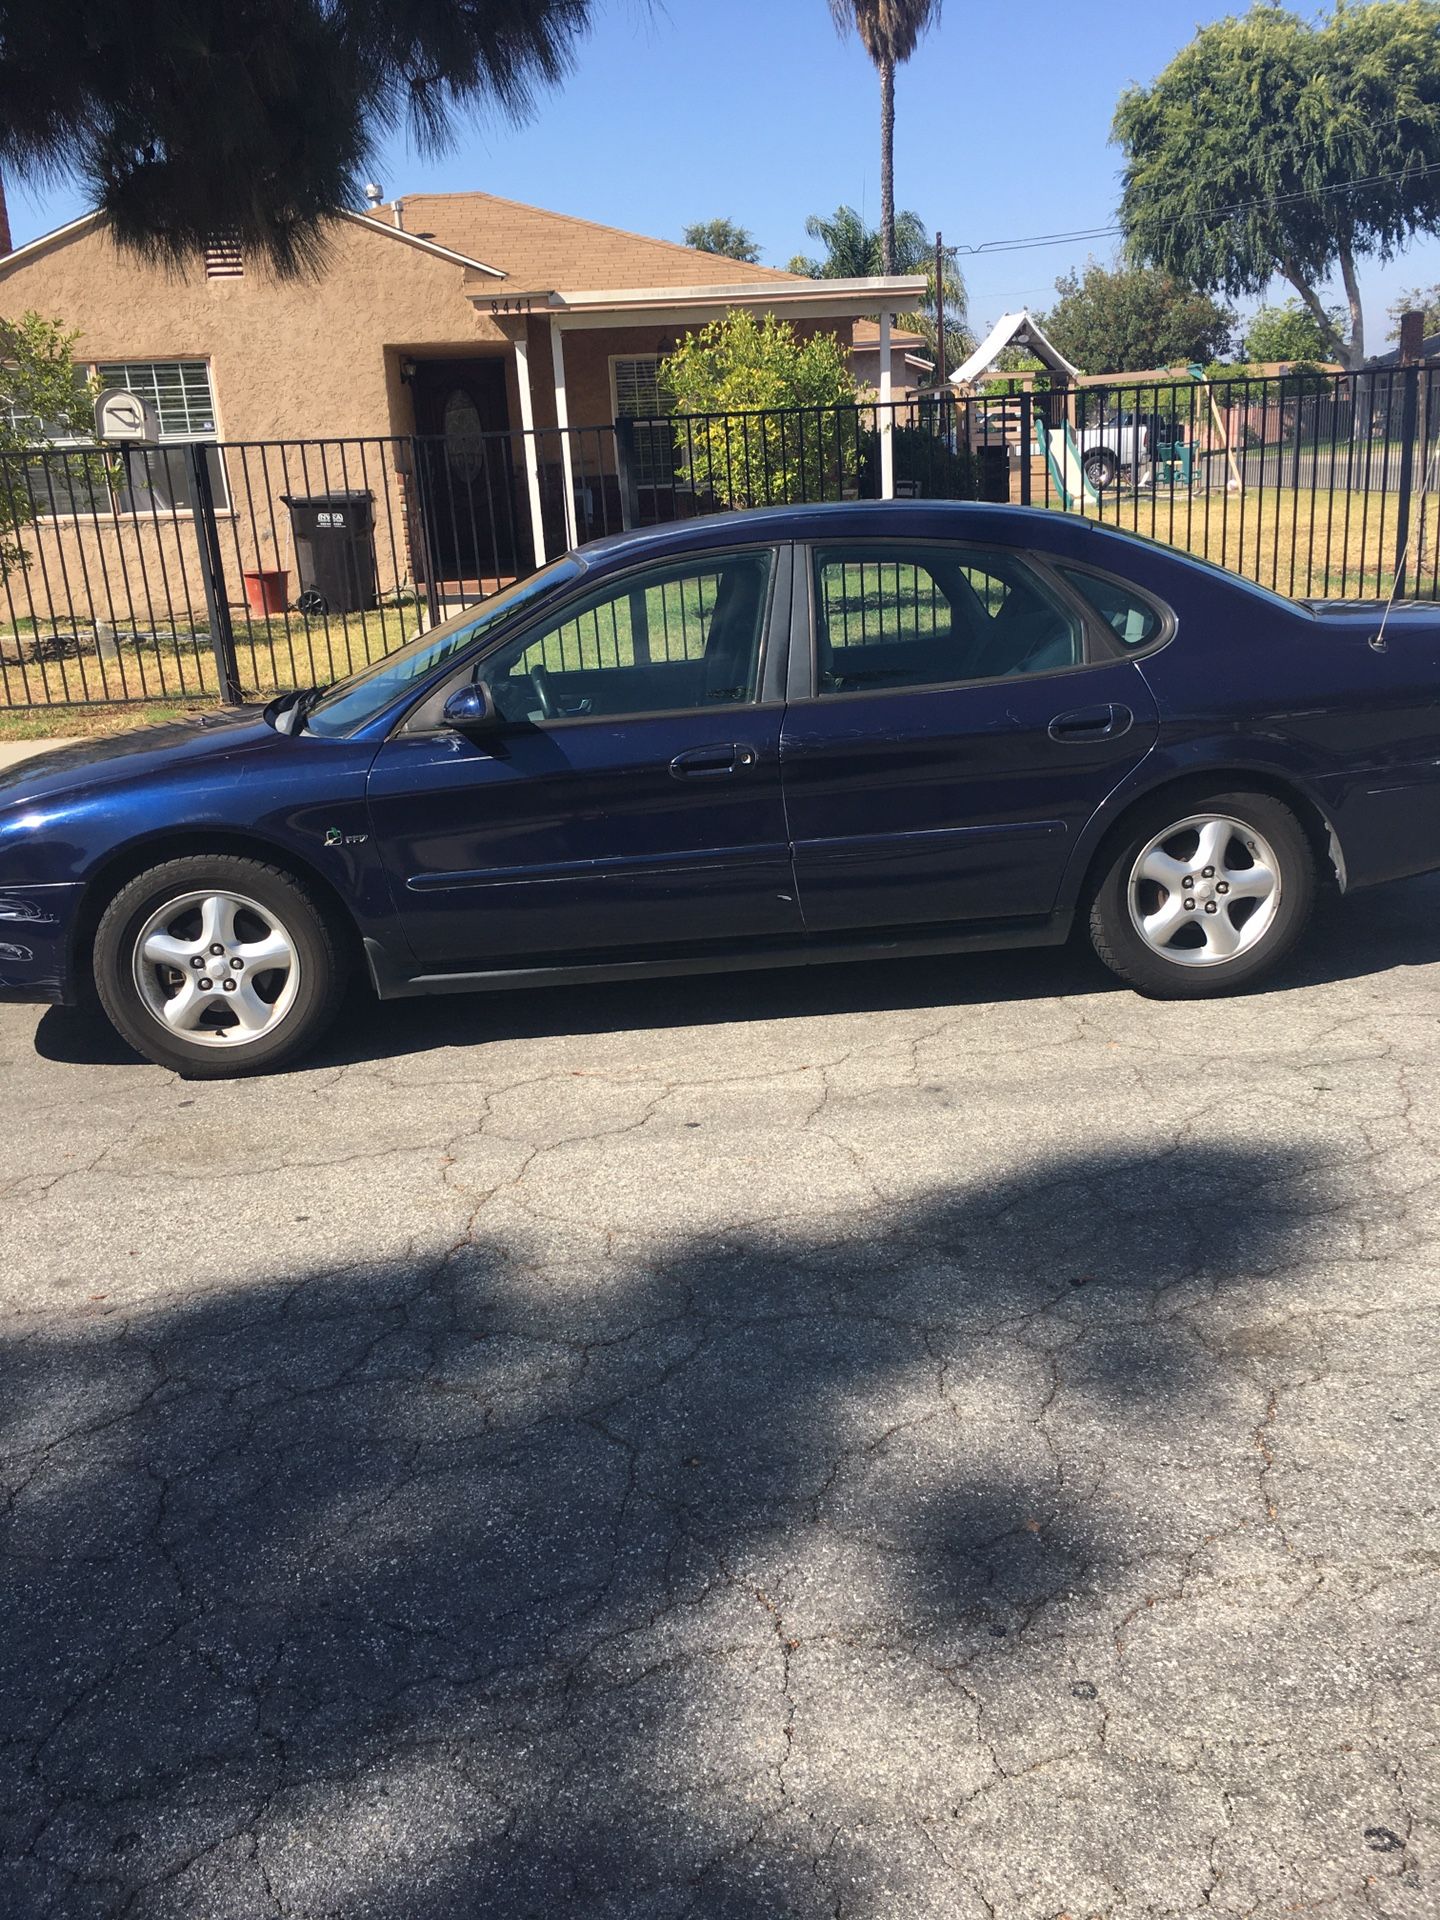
[(1377, 639)]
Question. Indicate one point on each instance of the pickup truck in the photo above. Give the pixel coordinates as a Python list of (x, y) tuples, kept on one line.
[(1110, 448)]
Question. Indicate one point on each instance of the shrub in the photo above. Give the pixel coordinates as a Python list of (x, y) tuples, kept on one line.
[(764, 371)]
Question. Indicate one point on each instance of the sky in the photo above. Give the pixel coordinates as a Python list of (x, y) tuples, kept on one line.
[(759, 111)]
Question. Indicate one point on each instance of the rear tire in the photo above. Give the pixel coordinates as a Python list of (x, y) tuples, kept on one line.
[(216, 966), (1102, 469), (1202, 893)]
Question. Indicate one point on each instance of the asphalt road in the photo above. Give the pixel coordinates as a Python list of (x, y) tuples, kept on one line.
[(953, 1439)]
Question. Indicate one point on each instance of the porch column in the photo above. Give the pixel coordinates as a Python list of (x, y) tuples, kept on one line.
[(523, 377), (562, 420), (887, 420)]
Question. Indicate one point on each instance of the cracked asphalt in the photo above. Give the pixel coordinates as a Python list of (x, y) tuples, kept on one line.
[(949, 1439)]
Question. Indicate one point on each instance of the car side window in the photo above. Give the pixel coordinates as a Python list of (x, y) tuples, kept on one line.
[(888, 616), (1133, 620), (682, 635)]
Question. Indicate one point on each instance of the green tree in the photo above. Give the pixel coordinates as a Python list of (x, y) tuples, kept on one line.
[(889, 31), (1131, 319), (853, 252), (255, 119), (723, 236), (43, 396), (743, 365), (1274, 145), (1422, 300), (1288, 332)]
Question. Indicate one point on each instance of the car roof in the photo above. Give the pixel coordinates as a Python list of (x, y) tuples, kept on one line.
[(844, 519)]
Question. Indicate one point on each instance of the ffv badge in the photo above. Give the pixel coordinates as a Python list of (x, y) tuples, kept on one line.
[(334, 837)]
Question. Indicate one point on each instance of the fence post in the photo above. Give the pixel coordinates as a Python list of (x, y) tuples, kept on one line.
[(1408, 410), (1027, 436), (212, 573), (425, 544), (625, 473), (887, 413)]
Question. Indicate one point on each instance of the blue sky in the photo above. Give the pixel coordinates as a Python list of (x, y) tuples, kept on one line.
[(761, 112)]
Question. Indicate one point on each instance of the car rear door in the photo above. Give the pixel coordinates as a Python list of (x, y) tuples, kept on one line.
[(631, 802), (961, 716)]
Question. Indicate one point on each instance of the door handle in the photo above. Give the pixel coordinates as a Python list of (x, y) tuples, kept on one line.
[(1091, 723), (711, 763)]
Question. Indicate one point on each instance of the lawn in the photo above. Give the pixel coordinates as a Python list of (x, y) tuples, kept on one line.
[(1307, 545), (273, 655)]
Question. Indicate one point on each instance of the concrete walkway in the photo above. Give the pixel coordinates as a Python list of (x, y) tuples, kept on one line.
[(12, 752)]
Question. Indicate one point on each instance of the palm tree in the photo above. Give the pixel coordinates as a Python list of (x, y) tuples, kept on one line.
[(853, 252), (888, 30)]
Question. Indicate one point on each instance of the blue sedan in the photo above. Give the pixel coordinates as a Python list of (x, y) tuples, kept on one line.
[(801, 734)]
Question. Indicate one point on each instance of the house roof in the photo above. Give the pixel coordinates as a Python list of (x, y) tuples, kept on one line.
[(609, 306), (867, 334), (1012, 330), (1429, 350), (85, 221), (557, 251)]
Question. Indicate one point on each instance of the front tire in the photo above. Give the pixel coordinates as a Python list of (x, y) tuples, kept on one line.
[(217, 966), (1202, 894)]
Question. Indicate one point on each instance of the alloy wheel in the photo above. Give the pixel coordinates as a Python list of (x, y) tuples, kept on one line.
[(217, 968), (1204, 891)]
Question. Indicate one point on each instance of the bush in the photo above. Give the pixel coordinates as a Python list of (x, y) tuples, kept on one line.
[(764, 371)]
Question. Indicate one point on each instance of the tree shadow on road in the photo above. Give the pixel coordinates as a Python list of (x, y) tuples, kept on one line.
[(485, 1584)]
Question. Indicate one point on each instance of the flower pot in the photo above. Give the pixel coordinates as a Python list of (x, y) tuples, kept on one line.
[(267, 590)]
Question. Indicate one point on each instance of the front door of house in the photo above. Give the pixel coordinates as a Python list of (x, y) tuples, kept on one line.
[(469, 496)]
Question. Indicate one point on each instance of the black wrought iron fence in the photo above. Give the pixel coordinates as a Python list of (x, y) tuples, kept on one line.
[(236, 570), (203, 571), (1318, 485)]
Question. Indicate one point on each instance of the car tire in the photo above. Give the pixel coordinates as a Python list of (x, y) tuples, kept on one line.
[(1102, 470), (216, 966), (1201, 893)]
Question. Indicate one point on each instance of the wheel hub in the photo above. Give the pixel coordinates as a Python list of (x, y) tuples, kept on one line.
[(217, 968), (1204, 891)]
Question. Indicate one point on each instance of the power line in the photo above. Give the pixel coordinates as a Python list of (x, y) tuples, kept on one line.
[(1033, 241)]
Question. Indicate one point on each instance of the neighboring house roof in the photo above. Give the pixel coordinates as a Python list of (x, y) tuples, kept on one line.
[(1429, 350), (1012, 330), (867, 336), (557, 251), (73, 228)]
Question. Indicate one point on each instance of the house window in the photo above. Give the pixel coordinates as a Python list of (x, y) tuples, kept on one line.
[(144, 480), (635, 390), (160, 479)]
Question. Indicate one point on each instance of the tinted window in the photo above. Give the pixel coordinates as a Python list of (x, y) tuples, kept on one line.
[(1132, 620), (892, 617), (685, 635), (350, 703)]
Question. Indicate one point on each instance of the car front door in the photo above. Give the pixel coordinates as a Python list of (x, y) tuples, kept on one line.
[(965, 716), (629, 802)]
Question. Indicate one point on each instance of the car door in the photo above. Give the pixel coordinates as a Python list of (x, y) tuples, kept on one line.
[(629, 802), (963, 715)]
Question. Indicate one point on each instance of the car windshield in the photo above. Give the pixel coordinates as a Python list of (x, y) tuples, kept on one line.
[(351, 703)]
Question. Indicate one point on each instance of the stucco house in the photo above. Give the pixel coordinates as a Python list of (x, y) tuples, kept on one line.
[(452, 316)]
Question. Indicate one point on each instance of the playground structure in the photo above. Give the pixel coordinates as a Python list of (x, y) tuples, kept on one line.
[(1182, 448)]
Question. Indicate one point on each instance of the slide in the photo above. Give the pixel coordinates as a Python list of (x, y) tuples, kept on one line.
[(1062, 457)]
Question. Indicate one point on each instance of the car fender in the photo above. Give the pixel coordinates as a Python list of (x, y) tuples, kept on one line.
[(1220, 759)]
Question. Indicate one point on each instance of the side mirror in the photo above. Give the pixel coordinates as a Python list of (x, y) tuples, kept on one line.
[(471, 709)]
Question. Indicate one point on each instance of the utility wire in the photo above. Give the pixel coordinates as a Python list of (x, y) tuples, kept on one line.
[(1200, 213)]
